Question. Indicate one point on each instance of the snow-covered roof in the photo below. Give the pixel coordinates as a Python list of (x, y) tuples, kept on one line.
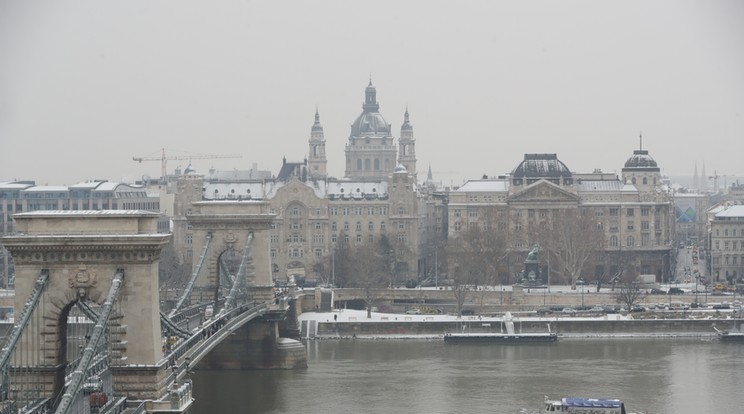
[(85, 185), (268, 189), (46, 188), (252, 190), (12, 185), (600, 185), (107, 186), (736, 210), (484, 186), (87, 213), (356, 188)]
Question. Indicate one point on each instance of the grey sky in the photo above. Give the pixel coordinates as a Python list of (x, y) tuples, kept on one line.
[(86, 85)]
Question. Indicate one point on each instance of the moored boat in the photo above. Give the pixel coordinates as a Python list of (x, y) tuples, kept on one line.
[(510, 336), (501, 337), (578, 405), (729, 336)]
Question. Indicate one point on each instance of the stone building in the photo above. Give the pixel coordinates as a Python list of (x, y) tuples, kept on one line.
[(727, 243), (634, 211), (26, 196), (314, 212)]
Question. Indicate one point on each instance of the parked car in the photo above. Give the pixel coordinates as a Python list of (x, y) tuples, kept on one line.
[(658, 292), (676, 291), (568, 311)]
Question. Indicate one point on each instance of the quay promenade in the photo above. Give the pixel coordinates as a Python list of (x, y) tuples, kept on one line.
[(354, 324)]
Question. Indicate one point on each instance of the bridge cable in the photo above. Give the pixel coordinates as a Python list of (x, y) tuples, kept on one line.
[(78, 375), (172, 328), (240, 279), (19, 327), (194, 275)]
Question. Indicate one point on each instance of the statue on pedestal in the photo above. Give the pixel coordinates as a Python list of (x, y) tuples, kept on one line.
[(531, 274)]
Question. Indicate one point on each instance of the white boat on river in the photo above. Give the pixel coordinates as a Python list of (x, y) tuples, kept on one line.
[(507, 335), (578, 405)]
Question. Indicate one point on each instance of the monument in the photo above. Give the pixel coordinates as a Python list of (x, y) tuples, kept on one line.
[(531, 275)]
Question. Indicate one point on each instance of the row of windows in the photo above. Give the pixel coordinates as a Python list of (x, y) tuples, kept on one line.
[(360, 211), (299, 252), (729, 260), (732, 232), (729, 245), (543, 213)]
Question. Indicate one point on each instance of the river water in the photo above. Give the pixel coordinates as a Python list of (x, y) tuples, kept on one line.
[(660, 376)]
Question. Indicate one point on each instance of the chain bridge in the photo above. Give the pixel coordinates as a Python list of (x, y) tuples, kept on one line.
[(91, 333)]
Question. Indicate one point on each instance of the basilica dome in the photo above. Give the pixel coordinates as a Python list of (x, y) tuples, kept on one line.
[(370, 122)]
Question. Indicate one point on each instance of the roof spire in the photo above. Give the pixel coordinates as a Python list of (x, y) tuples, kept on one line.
[(370, 79), (640, 137)]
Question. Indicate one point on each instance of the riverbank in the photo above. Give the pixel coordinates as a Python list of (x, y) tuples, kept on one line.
[(354, 324)]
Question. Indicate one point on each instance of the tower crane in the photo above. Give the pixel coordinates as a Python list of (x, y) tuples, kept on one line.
[(164, 159), (715, 178)]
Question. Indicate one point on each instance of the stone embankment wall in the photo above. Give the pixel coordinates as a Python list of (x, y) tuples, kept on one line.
[(565, 327)]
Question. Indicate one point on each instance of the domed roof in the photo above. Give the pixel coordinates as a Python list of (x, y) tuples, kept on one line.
[(406, 122), (400, 169), (541, 166), (641, 159), (316, 126), (370, 121)]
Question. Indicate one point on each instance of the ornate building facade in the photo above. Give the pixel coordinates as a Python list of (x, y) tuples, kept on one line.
[(634, 212), (727, 243), (315, 212)]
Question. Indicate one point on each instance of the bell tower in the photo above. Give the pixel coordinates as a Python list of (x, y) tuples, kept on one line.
[(316, 159), (407, 147)]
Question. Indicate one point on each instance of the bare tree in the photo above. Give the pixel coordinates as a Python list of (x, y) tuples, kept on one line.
[(475, 255), (172, 271), (370, 273), (629, 293), (342, 262), (570, 237)]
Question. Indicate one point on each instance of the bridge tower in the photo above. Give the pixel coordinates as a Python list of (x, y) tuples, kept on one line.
[(82, 251), (229, 224)]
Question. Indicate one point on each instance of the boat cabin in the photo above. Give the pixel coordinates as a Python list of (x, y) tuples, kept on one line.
[(573, 405)]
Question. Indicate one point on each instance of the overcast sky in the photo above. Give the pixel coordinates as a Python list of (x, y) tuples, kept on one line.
[(87, 85)]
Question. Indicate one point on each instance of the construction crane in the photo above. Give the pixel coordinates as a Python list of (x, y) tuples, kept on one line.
[(164, 159)]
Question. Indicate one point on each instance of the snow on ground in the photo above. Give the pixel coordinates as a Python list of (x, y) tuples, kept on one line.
[(351, 315)]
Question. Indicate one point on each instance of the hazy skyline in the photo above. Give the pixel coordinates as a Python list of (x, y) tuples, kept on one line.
[(86, 85)]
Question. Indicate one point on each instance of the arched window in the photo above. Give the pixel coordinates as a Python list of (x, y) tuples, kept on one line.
[(633, 180), (630, 241), (613, 241), (377, 164), (645, 180), (367, 164), (359, 164)]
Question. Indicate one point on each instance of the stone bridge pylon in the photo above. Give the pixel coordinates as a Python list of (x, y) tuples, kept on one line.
[(82, 251), (230, 225)]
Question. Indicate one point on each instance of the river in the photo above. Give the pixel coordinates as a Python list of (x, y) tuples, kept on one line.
[(659, 376)]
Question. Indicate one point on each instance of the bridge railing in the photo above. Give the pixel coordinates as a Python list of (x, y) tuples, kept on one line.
[(207, 329)]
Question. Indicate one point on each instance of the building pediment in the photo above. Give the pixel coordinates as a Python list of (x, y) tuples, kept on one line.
[(543, 191), (295, 189)]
